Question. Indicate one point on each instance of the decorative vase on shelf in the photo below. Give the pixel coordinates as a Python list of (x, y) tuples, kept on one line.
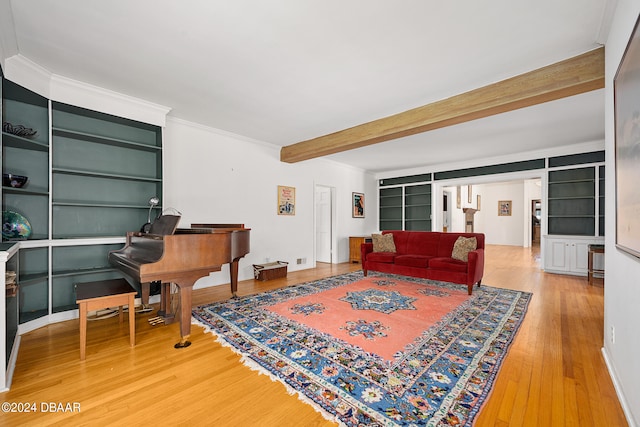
[(15, 226)]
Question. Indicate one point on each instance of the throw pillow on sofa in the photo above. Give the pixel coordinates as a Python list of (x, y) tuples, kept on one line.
[(462, 247), (383, 243)]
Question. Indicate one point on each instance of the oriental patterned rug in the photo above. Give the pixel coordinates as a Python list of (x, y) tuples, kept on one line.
[(379, 350)]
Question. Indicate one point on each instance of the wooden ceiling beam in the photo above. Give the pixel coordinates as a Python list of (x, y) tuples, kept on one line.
[(573, 76)]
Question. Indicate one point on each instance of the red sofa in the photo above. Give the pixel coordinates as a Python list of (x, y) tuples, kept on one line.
[(427, 254)]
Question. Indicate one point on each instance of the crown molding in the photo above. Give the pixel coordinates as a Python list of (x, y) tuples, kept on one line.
[(26, 73), (221, 132), (23, 71), (92, 97)]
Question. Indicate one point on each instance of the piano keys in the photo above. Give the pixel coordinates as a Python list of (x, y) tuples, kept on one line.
[(182, 258)]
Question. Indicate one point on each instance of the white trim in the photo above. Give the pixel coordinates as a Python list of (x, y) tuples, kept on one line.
[(618, 388), (23, 71), (11, 363), (32, 325)]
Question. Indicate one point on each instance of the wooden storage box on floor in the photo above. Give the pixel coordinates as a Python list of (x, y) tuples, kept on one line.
[(271, 270)]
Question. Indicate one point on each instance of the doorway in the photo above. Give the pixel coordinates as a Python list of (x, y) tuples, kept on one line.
[(324, 223), (446, 215), (482, 195), (536, 217)]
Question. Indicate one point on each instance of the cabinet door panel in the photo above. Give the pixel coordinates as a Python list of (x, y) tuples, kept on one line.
[(558, 257), (580, 256)]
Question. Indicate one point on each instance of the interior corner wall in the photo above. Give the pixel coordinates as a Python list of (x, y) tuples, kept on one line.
[(622, 283), (216, 177)]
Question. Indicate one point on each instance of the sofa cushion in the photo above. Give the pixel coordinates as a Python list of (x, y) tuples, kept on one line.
[(422, 243), (462, 247), (383, 243), (448, 264), (386, 257), (419, 261)]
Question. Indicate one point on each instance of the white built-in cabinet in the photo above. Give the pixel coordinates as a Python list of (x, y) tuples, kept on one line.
[(568, 254)]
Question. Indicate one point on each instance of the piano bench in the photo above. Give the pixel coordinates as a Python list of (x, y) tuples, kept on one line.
[(104, 294)]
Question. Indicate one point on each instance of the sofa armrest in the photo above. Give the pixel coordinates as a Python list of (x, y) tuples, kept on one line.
[(475, 266), (365, 248)]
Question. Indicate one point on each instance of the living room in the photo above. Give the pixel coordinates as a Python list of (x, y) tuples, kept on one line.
[(216, 175)]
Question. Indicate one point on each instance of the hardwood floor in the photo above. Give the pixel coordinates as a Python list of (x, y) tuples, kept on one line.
[(553, 375)]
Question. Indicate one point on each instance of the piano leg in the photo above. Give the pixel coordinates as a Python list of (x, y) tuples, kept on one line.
[(233, 272), (145, 291), (185, 316)]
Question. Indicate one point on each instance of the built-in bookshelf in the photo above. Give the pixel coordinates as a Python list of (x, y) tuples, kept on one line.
[(405, 207), (90, 177)]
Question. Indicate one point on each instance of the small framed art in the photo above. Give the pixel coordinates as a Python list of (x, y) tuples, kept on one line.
[(357, 205), (504, 208), (286, 200)]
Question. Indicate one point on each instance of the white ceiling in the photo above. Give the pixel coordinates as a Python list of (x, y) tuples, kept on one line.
[(283, 71)]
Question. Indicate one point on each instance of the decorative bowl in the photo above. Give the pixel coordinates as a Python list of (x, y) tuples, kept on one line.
[(15, 181), (18, 130), (15, 226)]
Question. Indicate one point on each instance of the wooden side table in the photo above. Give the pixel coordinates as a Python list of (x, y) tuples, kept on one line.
[(594, 249), (104, 294), (354, 247)]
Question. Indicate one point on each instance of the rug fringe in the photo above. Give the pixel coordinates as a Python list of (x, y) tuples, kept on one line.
[(249, 363)]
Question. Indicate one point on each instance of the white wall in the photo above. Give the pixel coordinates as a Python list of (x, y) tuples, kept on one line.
[(501, 230), (622, 276), (217, 177)]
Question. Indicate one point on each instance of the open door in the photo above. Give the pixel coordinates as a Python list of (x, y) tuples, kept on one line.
[(323, 224)]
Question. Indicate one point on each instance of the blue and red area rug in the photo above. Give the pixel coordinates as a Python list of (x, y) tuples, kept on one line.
[(379, 350)]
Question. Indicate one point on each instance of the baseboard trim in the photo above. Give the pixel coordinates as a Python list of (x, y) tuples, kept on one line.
[(13, 358), (616, 385)]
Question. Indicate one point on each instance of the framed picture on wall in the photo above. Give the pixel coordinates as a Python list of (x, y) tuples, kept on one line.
[(286, 200), (504, 208), (626, 92), (357, 205)]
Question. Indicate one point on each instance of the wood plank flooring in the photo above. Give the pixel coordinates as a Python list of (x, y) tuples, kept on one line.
[(553, 375)]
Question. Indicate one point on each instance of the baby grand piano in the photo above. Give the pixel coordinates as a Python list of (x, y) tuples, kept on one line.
[(181, 258)]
